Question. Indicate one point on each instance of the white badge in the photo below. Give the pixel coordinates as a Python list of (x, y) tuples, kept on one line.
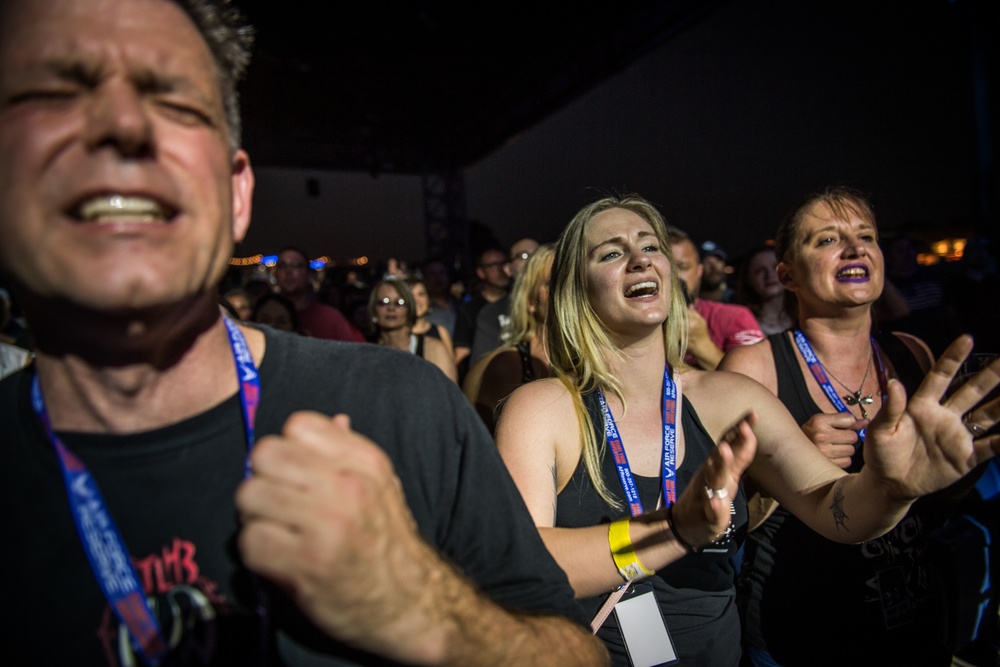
[(642, 626)]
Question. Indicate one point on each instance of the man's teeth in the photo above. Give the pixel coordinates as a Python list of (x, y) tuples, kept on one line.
[(113, 208), (647, 287), (853, 273)]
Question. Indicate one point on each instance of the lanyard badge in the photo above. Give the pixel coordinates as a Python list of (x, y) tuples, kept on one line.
[(103, 543), (822, 379), (669, 467)]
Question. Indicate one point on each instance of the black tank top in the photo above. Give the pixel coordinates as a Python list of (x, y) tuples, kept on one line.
[(417, 344), (527, 372), (695, 593), (810, 601)]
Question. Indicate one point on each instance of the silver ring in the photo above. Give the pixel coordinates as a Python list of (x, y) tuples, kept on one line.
[(712, 493), (975, 429)]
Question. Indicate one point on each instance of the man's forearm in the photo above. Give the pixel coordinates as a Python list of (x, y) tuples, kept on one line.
[(451, 623)]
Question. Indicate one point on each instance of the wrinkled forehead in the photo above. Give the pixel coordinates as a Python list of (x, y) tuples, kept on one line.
[(615, 223), (832, 213), (26, 19)]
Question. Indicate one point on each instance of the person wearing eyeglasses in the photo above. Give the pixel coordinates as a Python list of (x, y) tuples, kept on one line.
[(318, 320), (393, 314), (493, 317), (493, 275)]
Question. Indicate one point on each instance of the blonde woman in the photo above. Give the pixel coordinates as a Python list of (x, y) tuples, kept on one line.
[(523, 357)]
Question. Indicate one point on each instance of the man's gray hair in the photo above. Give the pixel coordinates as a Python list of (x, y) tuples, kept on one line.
[(230, 39)]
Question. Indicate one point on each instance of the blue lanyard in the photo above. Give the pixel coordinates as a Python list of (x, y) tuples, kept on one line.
[(669, 467), (109, 558), (812, 361)]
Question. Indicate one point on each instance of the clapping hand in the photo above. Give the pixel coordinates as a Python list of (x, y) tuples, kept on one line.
[(703, 511), (934, 439), (324, 516)]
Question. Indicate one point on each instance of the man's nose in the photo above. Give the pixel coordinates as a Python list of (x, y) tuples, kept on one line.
[(118, 118)]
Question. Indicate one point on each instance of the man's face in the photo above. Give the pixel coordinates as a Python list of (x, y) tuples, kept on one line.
[(292, 273), (688, 265), (492, 269), (118, 189), (714, 270), (519, 254)]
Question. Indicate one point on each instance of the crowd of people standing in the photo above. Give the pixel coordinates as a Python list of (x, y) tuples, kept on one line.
[(748, 318), (738, 320), (638, 471)]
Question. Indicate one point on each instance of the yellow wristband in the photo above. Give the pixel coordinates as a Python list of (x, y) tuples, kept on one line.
[(622, 551)]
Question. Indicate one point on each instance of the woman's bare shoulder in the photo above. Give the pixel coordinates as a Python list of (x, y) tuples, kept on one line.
[(546, 391), (755, 361), (721, 398)]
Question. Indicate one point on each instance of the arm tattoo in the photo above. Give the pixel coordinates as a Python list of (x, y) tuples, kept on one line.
[(837, 508)]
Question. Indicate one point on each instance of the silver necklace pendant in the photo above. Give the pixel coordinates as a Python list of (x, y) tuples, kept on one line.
[(861, 401)]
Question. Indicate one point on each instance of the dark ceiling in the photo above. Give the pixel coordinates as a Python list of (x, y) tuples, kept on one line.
[(403, 87)]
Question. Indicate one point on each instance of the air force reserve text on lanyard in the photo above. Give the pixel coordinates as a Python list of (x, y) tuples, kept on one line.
[(103, 543)]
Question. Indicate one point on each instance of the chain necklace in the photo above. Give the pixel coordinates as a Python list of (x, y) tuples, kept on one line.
[(854, 397)]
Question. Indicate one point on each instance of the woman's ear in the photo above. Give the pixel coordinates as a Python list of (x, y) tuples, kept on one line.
[(785, 276)]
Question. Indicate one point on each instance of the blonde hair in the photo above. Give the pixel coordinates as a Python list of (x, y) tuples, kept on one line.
[(578, 340), (523, 326)]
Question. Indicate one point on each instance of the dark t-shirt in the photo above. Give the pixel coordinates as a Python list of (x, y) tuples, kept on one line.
[(695, 593), (170, 491), (489, 323), (465, 321)]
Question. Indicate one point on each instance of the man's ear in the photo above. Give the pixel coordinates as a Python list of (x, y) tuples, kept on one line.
[(242, 186)]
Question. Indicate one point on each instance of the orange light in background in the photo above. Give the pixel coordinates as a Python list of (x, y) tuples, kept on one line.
[(948, 250), (245, 261), (361, 261), (960, 248)]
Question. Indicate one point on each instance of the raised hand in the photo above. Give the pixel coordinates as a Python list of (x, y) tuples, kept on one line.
[(927, 443), (702, 512)]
